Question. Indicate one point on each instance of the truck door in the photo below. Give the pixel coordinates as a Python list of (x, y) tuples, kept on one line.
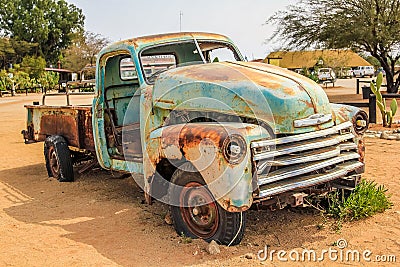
[(119, 110)]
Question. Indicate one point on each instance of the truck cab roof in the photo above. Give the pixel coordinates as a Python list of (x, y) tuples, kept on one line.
[(150, 40)]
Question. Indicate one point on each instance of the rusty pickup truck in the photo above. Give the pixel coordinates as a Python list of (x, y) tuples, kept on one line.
[(211, 134)]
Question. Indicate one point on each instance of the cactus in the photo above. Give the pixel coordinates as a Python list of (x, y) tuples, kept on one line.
[(387, 115)]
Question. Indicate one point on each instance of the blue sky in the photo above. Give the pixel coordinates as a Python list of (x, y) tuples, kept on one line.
[(243, 21)]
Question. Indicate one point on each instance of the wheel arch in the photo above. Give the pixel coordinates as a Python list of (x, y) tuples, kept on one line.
[(202, 145)]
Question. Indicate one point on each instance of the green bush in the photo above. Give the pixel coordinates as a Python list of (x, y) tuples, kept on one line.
[(367, 199), (5, 81), (48, 80), (313, 77), (22, 80)]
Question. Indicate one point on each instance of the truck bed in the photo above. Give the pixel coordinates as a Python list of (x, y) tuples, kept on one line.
[(74, 123)]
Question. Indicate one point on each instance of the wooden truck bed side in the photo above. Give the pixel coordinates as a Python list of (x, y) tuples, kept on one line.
[(74, 123)]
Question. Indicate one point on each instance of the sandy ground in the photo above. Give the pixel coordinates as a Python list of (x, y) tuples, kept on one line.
[(100, 220)]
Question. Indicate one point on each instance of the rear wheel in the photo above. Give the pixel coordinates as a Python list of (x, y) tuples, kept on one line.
[(199, 215), (58, 159)]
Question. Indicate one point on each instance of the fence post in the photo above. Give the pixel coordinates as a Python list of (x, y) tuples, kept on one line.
[(358, 86), (372, 108)]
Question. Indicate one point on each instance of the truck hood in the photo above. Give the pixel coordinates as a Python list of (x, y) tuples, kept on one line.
[(271, 94)]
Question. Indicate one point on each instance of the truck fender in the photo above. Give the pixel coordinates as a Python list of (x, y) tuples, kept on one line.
[(204, 146)]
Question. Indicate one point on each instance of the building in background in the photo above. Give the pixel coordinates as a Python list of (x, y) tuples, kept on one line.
[(340, 60)]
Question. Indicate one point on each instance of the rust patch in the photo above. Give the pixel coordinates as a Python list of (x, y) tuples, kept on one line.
[(74, 124), (62, 124), (333, 116), (165, 101), (212, 73), (85, 129), (289, 91), (226, 204), (344, 113), (160, 38), (308, 103), (190, 135), (361, 150), (262, 78)]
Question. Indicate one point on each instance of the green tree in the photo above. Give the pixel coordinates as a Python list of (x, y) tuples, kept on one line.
[(94, 42), (48, 23), (12, 51), (83, 50), (7, 52), (22, 49), (371, 26), (34, 66)]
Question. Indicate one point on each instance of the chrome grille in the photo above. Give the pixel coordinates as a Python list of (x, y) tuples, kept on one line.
[(304, 160)]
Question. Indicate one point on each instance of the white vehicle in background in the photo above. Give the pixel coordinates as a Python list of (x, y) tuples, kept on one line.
[(326, 75), (345, 73), (363, 71)]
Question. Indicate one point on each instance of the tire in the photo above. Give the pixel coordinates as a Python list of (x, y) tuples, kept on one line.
[(226, 228), (58, 159)]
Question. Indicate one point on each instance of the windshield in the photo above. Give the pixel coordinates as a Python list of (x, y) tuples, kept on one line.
[(158, 59)]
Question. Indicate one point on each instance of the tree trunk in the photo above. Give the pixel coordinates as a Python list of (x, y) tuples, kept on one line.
[(389, 81), (396, 85), (392, 85), (388, 67)]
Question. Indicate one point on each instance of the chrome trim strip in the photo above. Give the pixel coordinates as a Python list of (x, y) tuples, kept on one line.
[(306, 157), (347, 146), (312, 145), (303, 182), (304, 168), (301, 137), (262, 166), (312, 120)]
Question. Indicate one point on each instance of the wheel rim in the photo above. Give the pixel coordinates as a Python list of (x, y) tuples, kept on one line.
[(199, 210), (53, 161)]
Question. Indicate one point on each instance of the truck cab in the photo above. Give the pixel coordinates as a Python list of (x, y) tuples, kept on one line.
[(211, 134)]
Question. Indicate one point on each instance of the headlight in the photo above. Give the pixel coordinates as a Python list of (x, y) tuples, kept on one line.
[(234, 149), (360, 122)]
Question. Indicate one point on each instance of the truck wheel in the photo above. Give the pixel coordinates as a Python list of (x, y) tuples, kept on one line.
[(199, 215), (58, 159)]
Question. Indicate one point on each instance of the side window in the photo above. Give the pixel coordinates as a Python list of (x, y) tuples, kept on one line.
[(218, 52), (221, 54), (127, 69)]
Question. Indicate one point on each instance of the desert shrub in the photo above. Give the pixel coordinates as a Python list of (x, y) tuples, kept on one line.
[(367, 199)]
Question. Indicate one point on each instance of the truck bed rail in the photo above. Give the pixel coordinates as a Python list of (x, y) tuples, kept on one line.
[(67, 94)]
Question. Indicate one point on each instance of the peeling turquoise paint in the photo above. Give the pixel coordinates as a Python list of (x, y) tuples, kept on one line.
[(274, 96), (256, 93)]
